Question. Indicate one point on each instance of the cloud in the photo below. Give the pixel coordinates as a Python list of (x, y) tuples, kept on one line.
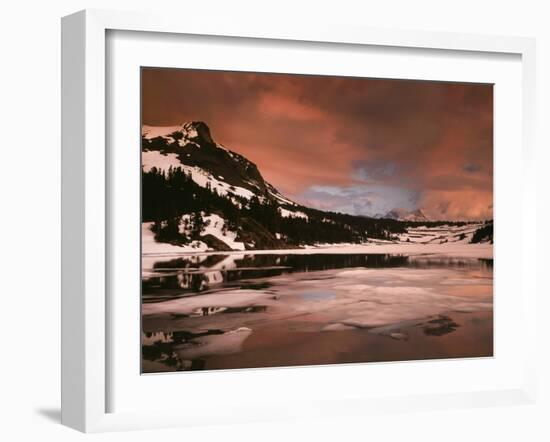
[(373, 170), (366, 200), (471, 168), (431, 140), (460, 204), (279, 105)]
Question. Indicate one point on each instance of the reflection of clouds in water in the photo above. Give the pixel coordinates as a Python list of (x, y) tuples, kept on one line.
[(363, 297), (377, 300), (317, 295), (214, 270)]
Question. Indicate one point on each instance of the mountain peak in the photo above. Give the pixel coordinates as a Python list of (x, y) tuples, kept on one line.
[(419, 213), (190, 146), (197, 131), (405, 215)]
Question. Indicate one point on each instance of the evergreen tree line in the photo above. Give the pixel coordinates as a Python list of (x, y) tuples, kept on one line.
[(484, 233), (167, 195)]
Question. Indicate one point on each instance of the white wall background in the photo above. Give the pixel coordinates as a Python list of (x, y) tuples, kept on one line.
[(30, 219)]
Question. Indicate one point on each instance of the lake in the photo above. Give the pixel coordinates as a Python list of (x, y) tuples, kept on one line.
[(226, 311)]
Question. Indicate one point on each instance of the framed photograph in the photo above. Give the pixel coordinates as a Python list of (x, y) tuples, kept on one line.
[(276, 222)]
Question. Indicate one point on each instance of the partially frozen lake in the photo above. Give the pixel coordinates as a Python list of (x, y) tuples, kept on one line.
[(217, 311)]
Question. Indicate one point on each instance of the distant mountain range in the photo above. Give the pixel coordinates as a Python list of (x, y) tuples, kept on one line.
[(198, 194), (405, 215)]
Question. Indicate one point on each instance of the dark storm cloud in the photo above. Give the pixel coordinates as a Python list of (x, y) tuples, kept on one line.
[(471, 168)]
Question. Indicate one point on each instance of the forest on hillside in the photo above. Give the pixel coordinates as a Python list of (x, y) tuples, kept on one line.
[(168, 195)]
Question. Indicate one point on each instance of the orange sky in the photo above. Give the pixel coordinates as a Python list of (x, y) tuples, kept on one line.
[(355, 145)]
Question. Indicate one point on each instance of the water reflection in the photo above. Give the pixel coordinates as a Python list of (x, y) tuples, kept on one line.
[(245, 310), (193, 274)]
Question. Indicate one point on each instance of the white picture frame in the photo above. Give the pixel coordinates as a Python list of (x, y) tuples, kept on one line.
[(85, 233)]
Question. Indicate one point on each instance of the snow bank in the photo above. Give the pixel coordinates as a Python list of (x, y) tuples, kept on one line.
[(285, 213), (215, 227), (150, 246), (460, 250), (153, 158), (439, 234)]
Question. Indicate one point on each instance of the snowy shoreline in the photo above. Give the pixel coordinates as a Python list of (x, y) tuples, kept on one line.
[(483, 251)]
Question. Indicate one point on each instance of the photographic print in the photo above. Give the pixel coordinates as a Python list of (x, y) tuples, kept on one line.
[(299, 220)]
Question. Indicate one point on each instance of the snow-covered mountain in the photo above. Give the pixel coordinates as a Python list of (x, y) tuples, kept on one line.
[(406, 215), (198, 195), (211, 165)]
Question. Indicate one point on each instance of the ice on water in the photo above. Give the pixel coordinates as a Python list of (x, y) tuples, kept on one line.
[(375, 300)]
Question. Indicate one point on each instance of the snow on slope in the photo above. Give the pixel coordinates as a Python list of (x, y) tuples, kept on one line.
[(282, 199), (203, 178), (154, 158), (189, 134), (439, 234), (149, 245), (285, 213), (198, 134), (215, 227), (459, 250)]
